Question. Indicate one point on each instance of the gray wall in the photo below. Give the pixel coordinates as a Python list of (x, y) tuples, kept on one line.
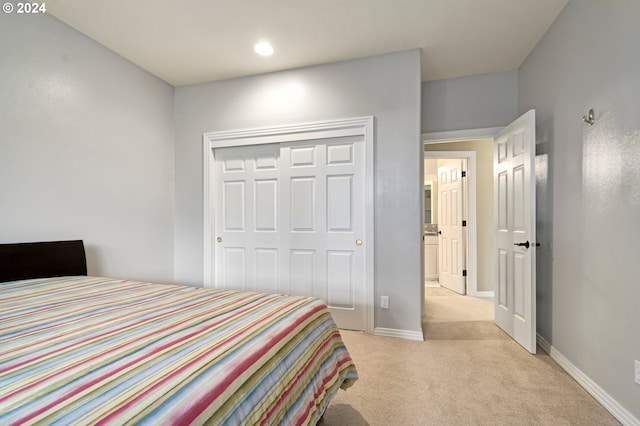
[(86, 149), (387, 87), (589, 189), (475, 102)]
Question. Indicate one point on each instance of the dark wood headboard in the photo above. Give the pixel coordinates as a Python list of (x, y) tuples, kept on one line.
[(40, 260)]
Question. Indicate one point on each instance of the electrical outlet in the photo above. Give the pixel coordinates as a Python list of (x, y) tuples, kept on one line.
[(637, 368), (384, 302)]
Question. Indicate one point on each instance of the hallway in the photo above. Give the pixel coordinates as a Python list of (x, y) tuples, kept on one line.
[(450, 316)]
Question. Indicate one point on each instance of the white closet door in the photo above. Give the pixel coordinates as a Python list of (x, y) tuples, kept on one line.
[(290, 218), (247, 218)]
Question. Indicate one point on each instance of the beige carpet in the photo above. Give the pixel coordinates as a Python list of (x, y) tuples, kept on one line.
[(467, 372)]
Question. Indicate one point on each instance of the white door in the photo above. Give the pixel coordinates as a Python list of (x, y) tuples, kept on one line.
[(290, 219), (450, 229), (247, 218), (515, 233)]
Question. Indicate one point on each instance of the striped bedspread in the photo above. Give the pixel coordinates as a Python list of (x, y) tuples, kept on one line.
[(84, 350)]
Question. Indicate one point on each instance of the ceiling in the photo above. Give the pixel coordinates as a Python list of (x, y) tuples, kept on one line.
[(193, 41)]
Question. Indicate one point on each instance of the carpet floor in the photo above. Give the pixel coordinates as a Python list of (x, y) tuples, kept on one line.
[(466, 372)]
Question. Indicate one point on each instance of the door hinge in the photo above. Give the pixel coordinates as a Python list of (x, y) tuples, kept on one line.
[(464, 223), (464, 173), (464, 272)]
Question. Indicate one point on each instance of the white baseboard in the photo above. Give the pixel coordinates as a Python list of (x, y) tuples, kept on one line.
[(619, 412), (487, 294), (401, 334), (543, 344)]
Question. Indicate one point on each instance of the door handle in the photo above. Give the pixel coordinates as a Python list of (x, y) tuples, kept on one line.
[(526, 244)]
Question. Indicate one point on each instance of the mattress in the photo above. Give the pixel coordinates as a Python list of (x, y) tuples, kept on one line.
[(88, 350)]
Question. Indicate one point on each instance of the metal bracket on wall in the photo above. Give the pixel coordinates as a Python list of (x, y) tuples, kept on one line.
[(590, 118)]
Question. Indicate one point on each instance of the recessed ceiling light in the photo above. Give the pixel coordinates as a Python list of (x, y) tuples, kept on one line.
[(263, 48)]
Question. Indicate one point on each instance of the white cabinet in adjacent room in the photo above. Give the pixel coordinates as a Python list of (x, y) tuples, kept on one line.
[(431, 257)]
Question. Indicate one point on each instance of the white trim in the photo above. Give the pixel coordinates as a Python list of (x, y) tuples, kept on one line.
[(543, 344), (623, 415), (488, 294), (290, 133), (461, 135), (360, 126), (208, 199), (400, 334), (472, 246)]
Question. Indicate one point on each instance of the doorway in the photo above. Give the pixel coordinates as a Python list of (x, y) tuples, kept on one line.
[(478, 207), (434, 155), (479, 216), (445, 220), (509, 272)]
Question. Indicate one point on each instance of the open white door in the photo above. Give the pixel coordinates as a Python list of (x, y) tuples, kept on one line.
[(451, 231), (515, 230)]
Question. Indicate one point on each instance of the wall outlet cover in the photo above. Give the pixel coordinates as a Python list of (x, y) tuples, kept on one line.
[(384, 302), (637, 371)]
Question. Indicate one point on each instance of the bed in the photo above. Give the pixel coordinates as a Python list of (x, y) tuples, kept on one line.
[(76, 349)]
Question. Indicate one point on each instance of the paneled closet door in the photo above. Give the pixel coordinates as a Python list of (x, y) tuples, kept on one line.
[(247, 218), (290, 219)]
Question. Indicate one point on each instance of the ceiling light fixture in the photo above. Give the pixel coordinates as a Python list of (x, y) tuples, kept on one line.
[(263, 49)]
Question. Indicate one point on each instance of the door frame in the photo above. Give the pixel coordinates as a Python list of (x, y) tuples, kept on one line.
[(469, 211), (301, 132), (472, 242)]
